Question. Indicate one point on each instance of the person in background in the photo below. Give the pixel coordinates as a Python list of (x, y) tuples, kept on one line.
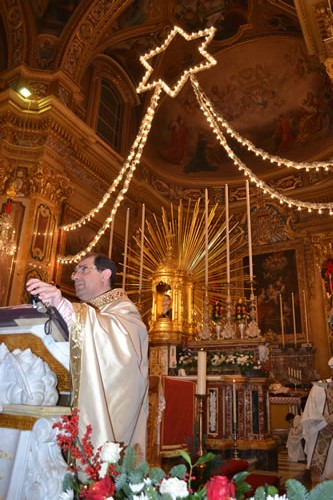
[(317, 421), (295, 438), (108, 353)]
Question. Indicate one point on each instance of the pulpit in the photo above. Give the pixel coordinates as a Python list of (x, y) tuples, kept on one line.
[(35, 389)]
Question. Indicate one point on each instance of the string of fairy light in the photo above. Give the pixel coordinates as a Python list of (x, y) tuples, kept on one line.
[(216, 122), (127, 171), (212, 118)]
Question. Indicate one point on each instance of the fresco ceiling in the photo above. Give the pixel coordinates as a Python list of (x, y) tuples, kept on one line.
[(265, 84)]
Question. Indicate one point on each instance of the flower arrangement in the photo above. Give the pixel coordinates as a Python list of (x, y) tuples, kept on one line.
[(327, 275), (113, 473), (218, 312), (241, 312), (239, 361)]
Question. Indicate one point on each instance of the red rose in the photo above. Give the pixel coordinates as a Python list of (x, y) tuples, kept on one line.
[(103, 488), (218, 488)]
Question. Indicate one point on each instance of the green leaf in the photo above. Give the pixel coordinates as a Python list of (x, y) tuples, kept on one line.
[(296, 490), (241, 485), (121, 481), (179, 471), (322, 491), (272, 490), (156, 475), (135, 477), (260, 493), (69, 482), (199, 495), (129, 460), (240, 476), (205, 458), (186, 456)]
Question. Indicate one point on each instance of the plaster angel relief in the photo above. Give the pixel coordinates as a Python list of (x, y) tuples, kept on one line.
[(26, 379)]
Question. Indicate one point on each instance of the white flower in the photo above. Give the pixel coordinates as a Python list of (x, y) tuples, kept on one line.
[(104, 469), (142, 496), (275, 497), (176, 488), (110, 452), (136, 487), (66, 495)]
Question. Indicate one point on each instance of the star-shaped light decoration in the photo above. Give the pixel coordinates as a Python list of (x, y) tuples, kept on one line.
[(194, 65)]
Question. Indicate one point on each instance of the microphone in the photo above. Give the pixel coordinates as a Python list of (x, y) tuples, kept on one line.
[(38, 304)]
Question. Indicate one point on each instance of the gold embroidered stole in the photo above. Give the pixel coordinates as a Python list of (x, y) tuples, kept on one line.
[(324, 436), (78, 332), (76, 344)]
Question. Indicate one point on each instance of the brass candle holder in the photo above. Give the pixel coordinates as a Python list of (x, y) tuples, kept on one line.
[(201, 405)]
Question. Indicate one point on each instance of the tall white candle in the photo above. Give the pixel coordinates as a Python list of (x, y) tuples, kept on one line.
[(206, 240), (249, 232), (294, 318), (125, 248), (234, 402), (281, 319), (142, 245), (306, 318), (111, 238), (227, 239), (201, 372)]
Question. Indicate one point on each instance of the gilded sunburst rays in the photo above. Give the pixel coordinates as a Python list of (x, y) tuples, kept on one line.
[(175, 243)]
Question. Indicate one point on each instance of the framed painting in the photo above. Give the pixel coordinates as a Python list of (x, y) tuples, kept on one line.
[(277, 291)]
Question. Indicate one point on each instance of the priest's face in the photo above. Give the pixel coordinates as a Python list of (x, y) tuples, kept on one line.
[(89, 282)]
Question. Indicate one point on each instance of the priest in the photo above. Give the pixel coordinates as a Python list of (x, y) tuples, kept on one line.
[(317, 421), (108, 351)]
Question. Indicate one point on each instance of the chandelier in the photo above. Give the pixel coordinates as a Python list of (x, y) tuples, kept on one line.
[(7, 227)]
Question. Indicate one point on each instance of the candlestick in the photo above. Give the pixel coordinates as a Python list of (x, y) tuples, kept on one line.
[(202, 369), (294, 318), (206, 240), (234, 403), (281, 319), (142, 245), (227, 230), (249, 233), (125, 248), (306, 318)]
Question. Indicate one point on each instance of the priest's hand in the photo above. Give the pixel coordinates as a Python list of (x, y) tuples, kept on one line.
[(47, 293)]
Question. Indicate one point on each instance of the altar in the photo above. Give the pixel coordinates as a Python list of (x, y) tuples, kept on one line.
[(237, 416)]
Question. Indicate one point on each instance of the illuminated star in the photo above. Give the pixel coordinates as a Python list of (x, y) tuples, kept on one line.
[(192, 60)]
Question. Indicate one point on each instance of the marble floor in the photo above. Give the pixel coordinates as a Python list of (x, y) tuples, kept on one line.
[(292, 470)]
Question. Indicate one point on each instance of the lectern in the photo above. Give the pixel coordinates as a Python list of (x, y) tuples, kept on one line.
[(35, 391)]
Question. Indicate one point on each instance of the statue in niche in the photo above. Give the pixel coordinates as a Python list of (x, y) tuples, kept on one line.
[(163, 300), (166, 307)]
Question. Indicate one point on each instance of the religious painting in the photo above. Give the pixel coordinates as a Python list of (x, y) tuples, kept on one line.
[(277, 292), (257, 101)]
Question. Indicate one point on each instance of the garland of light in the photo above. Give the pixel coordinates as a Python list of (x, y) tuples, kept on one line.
[(208, 110), (214, 119), (129, 167), (208, 35)]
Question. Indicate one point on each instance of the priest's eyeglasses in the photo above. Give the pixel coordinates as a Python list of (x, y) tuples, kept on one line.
[(82, 270)]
